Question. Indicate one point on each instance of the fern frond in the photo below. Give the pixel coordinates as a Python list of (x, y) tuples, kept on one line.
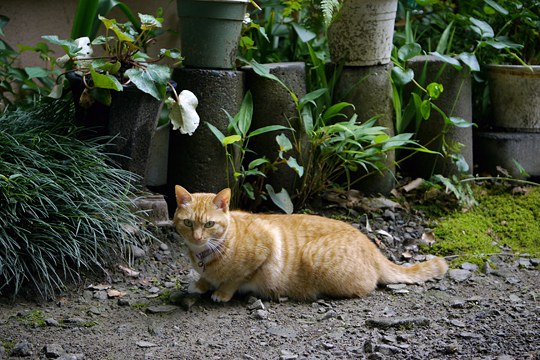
[(329, 8)]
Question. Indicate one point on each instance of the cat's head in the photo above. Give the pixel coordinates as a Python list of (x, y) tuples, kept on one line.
[(202, 219)]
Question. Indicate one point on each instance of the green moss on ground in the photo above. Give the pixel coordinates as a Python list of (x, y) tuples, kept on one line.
[(500, 221)]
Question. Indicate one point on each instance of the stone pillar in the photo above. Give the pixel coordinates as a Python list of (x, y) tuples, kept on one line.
[(273, 105), (369, 89), (455, 100), (198, 162)]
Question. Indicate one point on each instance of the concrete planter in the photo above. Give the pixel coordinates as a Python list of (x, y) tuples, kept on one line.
[(370, 91), (158, 157), (362, 33), (198, 162), (515, 97), (272, 105), (456, 100), (131, 119), (209, 32)]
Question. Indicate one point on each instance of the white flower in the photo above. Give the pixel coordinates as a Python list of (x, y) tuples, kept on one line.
[(247, 19), (182, 113)]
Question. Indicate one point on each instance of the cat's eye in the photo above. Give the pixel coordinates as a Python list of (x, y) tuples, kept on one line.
[(209, 224), (188, 222)]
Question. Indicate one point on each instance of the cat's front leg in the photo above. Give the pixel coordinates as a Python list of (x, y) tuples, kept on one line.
[(201, 286), (225, 292)]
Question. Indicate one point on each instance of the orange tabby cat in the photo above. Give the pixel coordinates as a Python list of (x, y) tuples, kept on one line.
[(299, 256)]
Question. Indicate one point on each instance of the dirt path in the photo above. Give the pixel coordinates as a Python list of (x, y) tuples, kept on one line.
[(467, 315)]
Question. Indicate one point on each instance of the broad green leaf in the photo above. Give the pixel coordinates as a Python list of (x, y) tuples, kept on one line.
[(258, 162), (244, 116), (218, 134), (401, 76), (112, 25), (482, 28), (470, 60), (69, 46), (148, 22), (149, 80), (293, 164), (307, 120), (312, 96), (281, 199), (434, 90), (231, 139), (105, 81), (502, 42), (425, 109), (284, 143), (304, 34), (263, 71), (460, 122), (408, 51), (56, 91), (497, 7), (442, 46), (266, 129), (447, 59), (36, 72), (172, 54), (335, 110), (107, 66)]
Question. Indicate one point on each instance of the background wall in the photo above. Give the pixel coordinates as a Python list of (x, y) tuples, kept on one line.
[(30, 19)]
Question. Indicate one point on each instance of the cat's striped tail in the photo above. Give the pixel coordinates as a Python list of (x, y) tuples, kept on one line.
[(391, 273)]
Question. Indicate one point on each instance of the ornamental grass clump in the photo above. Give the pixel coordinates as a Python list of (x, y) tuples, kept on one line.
[(64, 208)]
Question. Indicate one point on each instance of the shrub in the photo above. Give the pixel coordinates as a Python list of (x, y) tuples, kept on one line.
[(64, 207)]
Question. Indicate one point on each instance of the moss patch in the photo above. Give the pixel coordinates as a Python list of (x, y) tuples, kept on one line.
[(500, 221)]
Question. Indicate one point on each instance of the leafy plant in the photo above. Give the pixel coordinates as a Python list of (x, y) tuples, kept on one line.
[(22, 86), (248, 180), (64, 207), (123, 62), (336, 148), (86, 20)]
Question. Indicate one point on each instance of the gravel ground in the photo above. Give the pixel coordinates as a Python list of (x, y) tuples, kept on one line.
[(490, 313)]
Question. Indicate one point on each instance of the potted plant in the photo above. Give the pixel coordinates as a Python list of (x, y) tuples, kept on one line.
[(210, 30), (126, 84), (360, 32)]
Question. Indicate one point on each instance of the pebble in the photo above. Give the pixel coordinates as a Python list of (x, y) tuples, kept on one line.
[(469, 266), (53, 351), (282, 332), (137, 252), (76, 321), (161, 309), (52, 322), (524, 263), (101, 295), (22, 349), (261, 314), (287, 355), (163, 247), (256, 305), (145, 344), (154, 290), (386, 323), (459, 275), (71, 357)]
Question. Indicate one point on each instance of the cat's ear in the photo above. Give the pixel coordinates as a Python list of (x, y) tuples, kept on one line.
[(222, 199), (183, 197)]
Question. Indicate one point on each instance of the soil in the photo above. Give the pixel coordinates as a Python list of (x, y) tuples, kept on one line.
[(487, 313)]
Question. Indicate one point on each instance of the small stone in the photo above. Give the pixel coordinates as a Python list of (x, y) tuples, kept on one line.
[(328, 346), (451, 348), (53, 351), (328, 315), (76, 321), (169, 284), (387, 349), (22, 349), (524, 263), (282, 332), (71, 357), (459, 275), (256, 305), (137, 252), (535, 262), (145, 344), (469, 266), (458, 323), (94, 311), (261, 314), (100, 295), (396, 286), (154, 290), (287, 355), (514, 298), (52, 322), (389, 339), (389, 214), (458, 303), (124, 302), (401, 323), (161, 309), (163, 247)]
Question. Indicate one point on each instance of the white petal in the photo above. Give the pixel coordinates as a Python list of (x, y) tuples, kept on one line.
[(188, 105)]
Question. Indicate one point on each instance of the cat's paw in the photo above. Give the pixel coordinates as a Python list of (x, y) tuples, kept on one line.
[(196, 288), (220, 296)]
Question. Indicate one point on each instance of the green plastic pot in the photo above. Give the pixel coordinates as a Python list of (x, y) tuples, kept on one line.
[(209, 32)]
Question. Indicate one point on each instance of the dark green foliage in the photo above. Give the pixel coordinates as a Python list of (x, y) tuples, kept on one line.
[(63, 207)]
